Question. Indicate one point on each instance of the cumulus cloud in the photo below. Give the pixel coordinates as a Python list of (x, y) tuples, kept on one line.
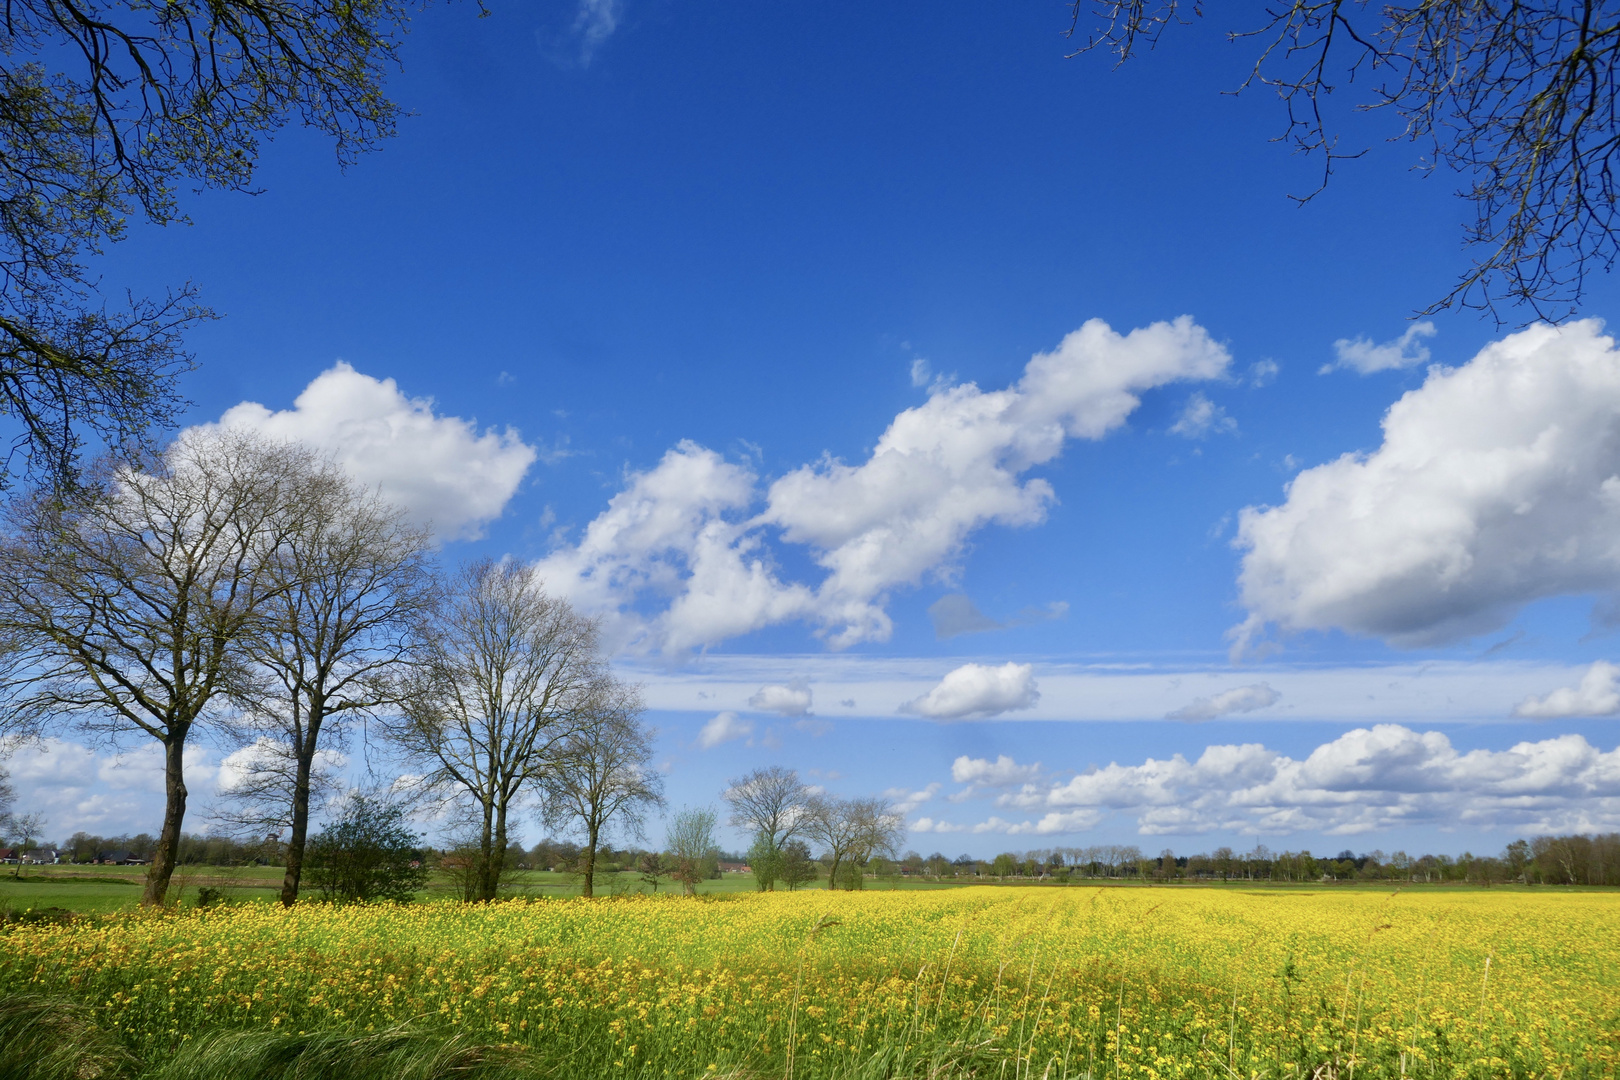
[(723, 728), (1383, 777), (680, 562), (905, 800), (984, 773), (931, 825), (1597, 695), (791, 700), (1360, 354), (80, 789), (1201, 417), (977, 690), (1239, 699), (440, 468), (1497, 483)]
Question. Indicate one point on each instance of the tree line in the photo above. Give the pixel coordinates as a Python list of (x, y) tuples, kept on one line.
[(1573, 859), (250, 590)]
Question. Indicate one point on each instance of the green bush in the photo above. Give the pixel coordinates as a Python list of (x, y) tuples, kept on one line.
[(367, 854)]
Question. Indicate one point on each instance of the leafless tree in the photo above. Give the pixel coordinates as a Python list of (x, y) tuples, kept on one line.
[(601, 778), (504, 676), (692, 848), (1521, 98), (133, 597), (852, 831), (351, 580), (773, 805)]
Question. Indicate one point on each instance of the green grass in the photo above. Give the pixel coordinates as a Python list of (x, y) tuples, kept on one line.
[(104, 889)]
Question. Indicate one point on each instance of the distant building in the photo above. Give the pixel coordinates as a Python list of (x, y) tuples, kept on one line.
[(736, 868)]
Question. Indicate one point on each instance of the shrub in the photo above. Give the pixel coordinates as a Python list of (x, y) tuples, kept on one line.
[(367, 854)]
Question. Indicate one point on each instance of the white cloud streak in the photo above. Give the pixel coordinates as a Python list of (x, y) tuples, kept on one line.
[(1361, 355), (1239, 699)]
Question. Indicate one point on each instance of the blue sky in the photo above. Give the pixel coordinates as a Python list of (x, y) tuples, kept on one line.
[(674, 269)]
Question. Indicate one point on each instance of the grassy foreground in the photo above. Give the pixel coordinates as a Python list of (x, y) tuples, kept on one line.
[(997, 982)]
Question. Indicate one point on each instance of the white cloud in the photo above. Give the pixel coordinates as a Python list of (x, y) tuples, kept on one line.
[(1262, 372), (594, 23), (977, 690), (79, 789), (1597, 695), (438, 467), (793, 699), (1497, 483), (1202, 417), (1239, 699), (723, 728), (678, 561), (930, 825), (956, 614), (1360, 354), (921, 372), (984, 773), (1383, 777), (905, 800)]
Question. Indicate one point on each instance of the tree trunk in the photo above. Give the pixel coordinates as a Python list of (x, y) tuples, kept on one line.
[(174, 812), (300, 814), (495, 855), (591, 833), (832, 872)]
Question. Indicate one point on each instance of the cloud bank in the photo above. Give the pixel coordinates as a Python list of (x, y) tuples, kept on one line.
[(680, 560), (440, 468), (1383, 777), (1498, 483)]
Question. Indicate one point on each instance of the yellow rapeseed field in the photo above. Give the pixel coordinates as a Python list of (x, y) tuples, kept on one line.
[(1043, 982)]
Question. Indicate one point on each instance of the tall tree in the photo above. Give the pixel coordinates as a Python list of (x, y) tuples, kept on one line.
[(602, 777), (773, 805), (350, 582), (133, 597), (504, 676), (1521, 98), (107, 109)]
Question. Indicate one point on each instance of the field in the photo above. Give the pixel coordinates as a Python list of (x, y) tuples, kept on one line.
[(1008, 982)]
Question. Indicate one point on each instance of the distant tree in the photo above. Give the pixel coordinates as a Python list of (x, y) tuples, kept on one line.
[(692, 849), (1005, 865), (798, 868), (1516, 858), (601, 777), (23, 830), (938, 865), (652, 868), (773, 806), (367, 854), (1519, 98)]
